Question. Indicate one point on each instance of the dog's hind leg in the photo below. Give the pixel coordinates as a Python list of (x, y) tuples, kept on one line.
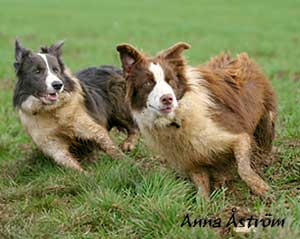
[(242, 152), (87, 129), (131, 140), (59, 151)]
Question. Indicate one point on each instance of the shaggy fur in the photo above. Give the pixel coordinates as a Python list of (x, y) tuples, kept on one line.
[(71, 121), (226, 110)]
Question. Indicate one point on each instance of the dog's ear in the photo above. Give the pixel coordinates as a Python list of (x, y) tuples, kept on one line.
[(174, 53), (129, 56), (20, 53), (56, 48)]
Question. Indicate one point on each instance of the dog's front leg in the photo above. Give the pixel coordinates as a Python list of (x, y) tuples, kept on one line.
[(131, 140), (59, 151), (89, 130)]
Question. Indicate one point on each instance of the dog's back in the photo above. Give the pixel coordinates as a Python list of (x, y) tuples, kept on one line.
[(104, 89), (237, 84)]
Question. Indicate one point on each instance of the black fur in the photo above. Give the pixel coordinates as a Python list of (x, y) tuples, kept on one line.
[(31, 83), (26, 85), (104, 89)]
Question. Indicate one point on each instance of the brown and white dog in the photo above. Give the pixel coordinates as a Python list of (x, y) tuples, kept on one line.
[(204, 120), (68, 115)]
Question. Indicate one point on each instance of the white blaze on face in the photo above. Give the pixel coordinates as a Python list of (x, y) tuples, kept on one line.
[(161, 88), (50, 78)]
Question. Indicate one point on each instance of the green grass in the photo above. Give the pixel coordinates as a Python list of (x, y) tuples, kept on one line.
[(139, 197)]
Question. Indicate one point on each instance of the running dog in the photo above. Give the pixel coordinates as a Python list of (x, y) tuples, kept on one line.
[(205, 120), (66, 115)]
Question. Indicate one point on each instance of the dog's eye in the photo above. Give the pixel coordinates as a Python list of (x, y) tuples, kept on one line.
[(37, 71), (171, 82), (55, 70), (148, 83)]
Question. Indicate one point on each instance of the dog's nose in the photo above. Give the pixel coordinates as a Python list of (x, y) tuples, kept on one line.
[(57, 85), (166, 99)]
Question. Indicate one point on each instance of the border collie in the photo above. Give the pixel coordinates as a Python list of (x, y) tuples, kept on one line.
[(66, 115), (204, 120)]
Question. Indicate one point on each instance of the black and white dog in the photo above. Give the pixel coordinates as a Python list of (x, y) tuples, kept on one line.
[(65, 114)]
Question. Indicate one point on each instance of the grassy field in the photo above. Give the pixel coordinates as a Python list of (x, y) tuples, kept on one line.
[(139, 197)]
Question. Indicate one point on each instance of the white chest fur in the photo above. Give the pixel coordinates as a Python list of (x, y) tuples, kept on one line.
[(198, 138), (39, 128)]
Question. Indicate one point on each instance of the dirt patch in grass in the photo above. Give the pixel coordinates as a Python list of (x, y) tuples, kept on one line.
[(7, 84), (31, 160), (292, 143), (295, 76)]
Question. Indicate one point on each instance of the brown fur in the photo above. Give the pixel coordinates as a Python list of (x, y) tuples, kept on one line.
[(240, 89), (226, 110), (170, 60)]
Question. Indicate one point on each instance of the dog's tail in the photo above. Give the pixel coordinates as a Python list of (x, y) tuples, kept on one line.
[(265, 132)]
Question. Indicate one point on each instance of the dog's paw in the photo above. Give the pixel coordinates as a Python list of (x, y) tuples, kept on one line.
[(127, 146), (79, 169), (91, 158), (261, 189)]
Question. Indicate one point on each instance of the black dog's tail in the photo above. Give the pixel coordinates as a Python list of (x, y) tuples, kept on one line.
[(265, 133), (265, 130)]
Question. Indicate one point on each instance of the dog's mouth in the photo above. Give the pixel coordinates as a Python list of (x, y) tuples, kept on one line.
[(49, 98), (166, 109), (163, 110)]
